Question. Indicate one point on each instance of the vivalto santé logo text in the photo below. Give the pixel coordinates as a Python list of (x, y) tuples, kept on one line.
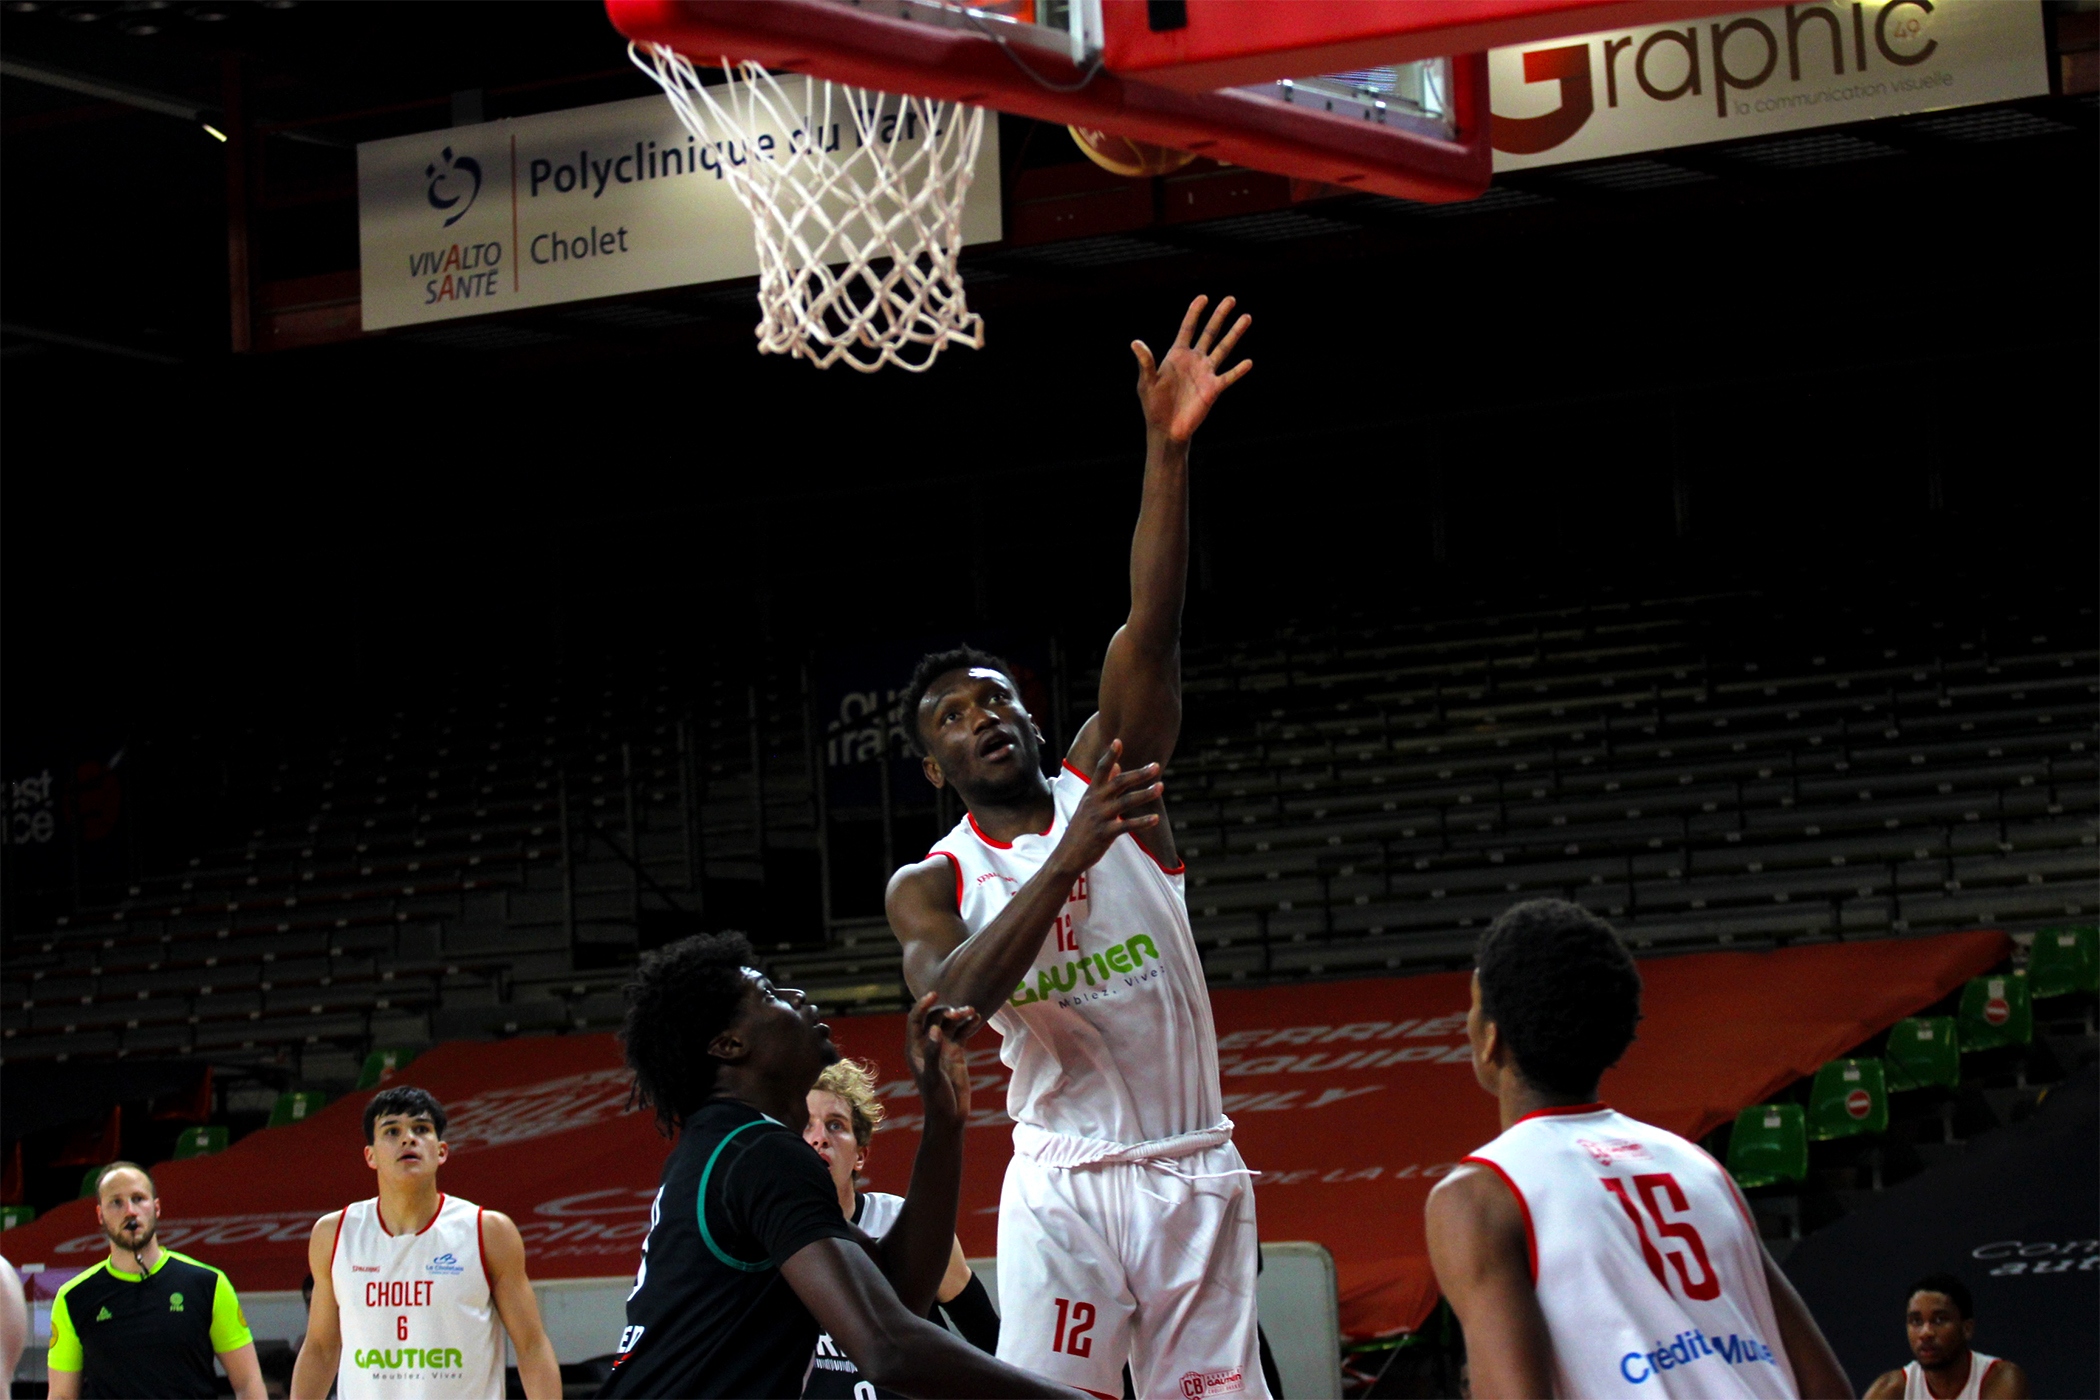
[(1729, 60)]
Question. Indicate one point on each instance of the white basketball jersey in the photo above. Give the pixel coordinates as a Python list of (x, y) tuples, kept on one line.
[(1109, 1036), (878, 1211), (1914, 1387), (1644, 1257), (417, 1314)]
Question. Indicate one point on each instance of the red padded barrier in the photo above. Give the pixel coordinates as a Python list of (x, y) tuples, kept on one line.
[(1351, 1098)]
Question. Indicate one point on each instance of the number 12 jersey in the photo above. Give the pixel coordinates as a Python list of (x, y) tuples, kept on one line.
[(1644, 1258)]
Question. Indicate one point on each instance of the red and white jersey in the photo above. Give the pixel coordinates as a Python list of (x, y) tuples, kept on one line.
[(1644, 1257), (1972, 1389), (418, 1314), (1109, 1036)]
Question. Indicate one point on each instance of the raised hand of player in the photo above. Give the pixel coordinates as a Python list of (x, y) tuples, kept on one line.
[(1108, 810), (1177, 392), (933, 1046)]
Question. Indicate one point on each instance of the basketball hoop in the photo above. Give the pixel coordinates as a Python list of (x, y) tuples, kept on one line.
[(857, 215)]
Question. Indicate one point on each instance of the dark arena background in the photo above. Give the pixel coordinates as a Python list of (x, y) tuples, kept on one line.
[(1706, 535)]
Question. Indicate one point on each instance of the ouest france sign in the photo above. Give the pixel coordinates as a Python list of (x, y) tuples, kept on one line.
[(566, 206)]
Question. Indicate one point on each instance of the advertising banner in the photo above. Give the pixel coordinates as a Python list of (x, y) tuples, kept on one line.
[(1754, 74), (1351, 1098), (566, 206)]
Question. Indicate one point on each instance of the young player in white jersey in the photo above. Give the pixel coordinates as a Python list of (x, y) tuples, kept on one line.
[(1585, 1253), (1939, 1320), (843, 1112), (414, 1289), (1126, 1227)]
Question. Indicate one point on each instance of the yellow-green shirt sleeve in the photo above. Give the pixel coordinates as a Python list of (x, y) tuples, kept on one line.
[(229, 1329), (65, 1342)]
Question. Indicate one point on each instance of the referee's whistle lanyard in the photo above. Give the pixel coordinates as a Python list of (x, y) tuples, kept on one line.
[(139, 1265)]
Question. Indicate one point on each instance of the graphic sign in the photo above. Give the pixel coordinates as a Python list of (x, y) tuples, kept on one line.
[(1753, 74), (566, 206)]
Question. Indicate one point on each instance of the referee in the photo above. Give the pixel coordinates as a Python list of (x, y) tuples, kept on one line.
[(146, 1320)]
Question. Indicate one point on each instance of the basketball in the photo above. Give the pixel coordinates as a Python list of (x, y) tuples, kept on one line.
[(1125, 156)]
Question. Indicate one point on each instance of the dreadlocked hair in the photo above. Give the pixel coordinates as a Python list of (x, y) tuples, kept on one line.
[(682, 996), (1562, 990), (931, 668)]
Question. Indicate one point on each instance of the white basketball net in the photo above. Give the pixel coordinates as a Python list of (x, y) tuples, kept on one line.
[(858, 227)]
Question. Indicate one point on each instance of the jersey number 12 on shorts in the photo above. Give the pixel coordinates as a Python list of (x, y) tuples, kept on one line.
[(1074, 1341)]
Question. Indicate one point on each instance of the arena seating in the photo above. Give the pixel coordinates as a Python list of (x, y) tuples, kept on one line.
[(1356, 800), (397, 878), (1350, 798)]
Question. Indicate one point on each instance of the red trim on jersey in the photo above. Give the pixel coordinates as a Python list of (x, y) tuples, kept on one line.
[(481, 1247), (955, 861), (1180, 869), (1531, 1239), (971, 818), (1986, 1370), (380, 1216), (1735, 1192), (1561, 1112), (340, 1222), (1177, 870)]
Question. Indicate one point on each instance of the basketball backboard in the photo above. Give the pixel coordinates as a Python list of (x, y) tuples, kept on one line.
[(1388, 96), (1419, 130)]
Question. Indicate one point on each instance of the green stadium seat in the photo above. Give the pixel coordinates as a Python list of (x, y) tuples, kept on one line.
[(1995, 1012), (200, 1142), (1769, 1145), (382, 1065), (296, 1106), (2064, 960), (1849, 1097), (11, 1216), (1923, 1053), (87, 1182)]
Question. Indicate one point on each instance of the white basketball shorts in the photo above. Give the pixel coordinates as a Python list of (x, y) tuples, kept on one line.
[(1108, 1263)]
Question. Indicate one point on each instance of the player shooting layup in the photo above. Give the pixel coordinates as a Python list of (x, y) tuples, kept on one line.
[(1126, 1227)]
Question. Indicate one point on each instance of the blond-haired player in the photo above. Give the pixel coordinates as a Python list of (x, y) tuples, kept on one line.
[(843, 1114)]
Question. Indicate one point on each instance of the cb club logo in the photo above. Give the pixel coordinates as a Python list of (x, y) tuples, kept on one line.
[(455, 182)]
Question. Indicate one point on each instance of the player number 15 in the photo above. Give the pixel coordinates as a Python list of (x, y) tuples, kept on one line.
[(1654, 1190)]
